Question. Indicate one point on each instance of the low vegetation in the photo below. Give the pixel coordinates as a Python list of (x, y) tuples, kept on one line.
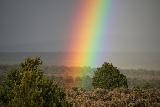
[(118, 97), (30, 85)]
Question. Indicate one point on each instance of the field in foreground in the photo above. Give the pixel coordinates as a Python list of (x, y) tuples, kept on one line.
[(116, 98), (16, 91)]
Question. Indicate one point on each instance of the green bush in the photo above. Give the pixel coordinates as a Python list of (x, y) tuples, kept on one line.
[(27, 86), (108, 77)]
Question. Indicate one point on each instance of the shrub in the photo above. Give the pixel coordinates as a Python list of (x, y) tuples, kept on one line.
[(108, 77), (28, 87), (115, 98)]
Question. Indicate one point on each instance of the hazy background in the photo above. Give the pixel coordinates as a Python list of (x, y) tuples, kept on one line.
[(43, 25)]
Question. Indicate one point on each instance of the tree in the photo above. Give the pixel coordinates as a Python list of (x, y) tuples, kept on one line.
[(108, 77), (28, 87)]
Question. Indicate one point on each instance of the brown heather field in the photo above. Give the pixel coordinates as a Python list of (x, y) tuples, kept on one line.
[(116, 98), (146, 93)]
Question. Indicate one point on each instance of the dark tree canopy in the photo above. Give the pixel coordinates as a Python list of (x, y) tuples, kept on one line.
[(109, 77), (27, 86)]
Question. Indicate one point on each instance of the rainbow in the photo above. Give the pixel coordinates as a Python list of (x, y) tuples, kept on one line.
[(88, 29)]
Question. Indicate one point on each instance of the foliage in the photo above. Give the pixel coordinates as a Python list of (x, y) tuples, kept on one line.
[(115, 98), (28, 87), (135, 77), (108, 77), (83, 82)]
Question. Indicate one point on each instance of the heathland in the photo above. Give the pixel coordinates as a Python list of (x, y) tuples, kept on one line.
[(55, 86)]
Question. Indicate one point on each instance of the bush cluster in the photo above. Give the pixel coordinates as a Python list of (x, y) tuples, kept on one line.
[(109, 77), (118, 97), (27, 86)]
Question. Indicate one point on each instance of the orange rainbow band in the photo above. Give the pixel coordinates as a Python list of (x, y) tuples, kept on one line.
[(89, 27)]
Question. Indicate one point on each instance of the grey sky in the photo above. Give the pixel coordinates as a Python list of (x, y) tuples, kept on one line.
[(42, 25)]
